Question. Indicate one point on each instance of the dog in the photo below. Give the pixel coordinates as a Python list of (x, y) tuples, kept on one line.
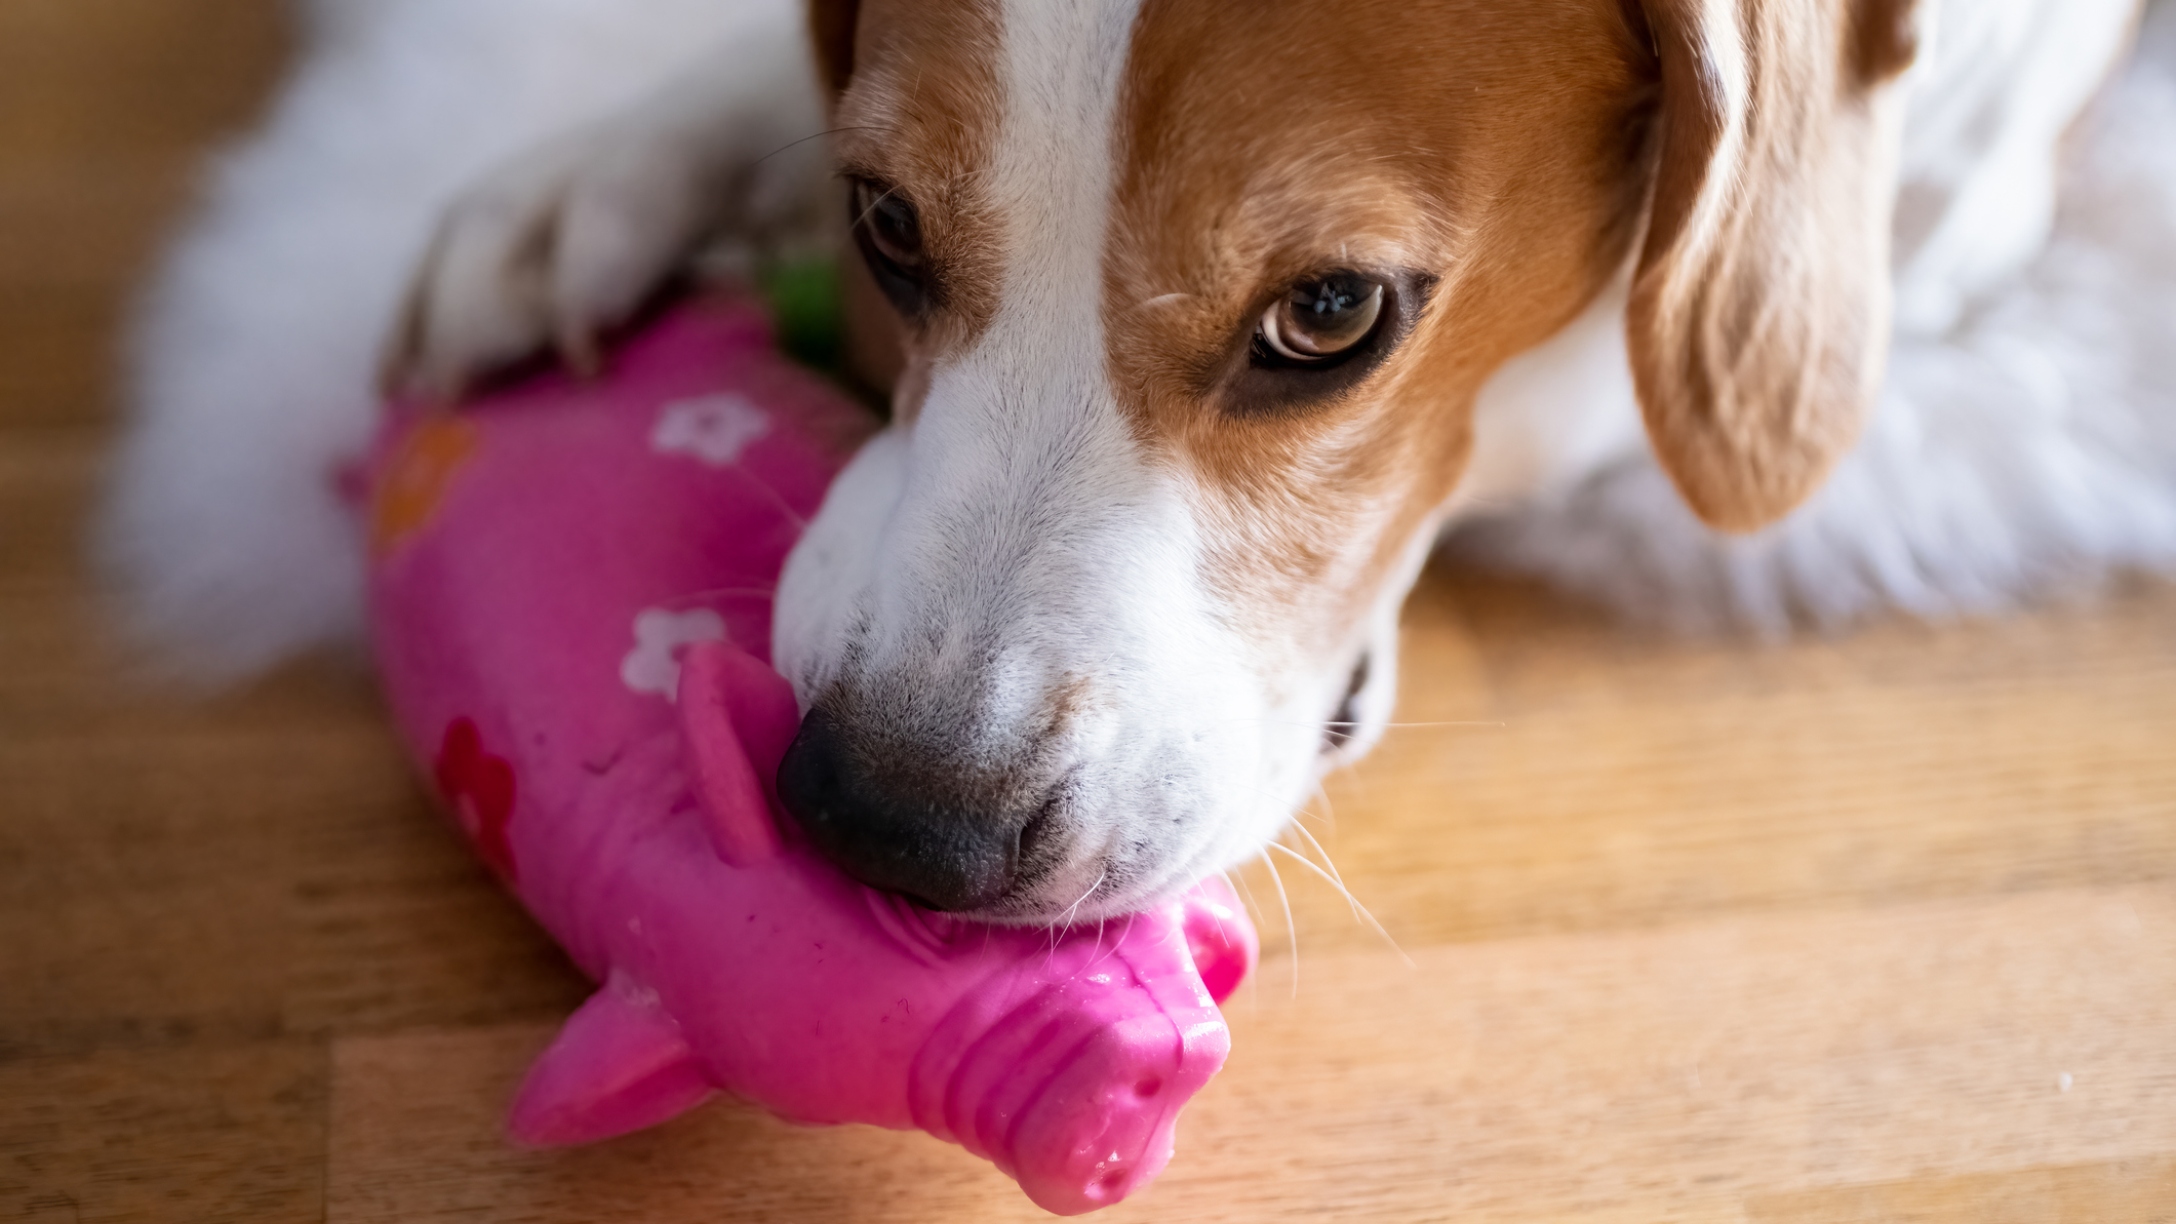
[(1205, 322)]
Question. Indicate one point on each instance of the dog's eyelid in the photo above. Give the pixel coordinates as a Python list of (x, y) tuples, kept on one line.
[(873, 199), (862, 174)]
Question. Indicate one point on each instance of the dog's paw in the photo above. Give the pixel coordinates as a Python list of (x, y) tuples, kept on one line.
[(548, 252)]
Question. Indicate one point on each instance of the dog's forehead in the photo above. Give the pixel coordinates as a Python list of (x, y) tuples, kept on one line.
[(1261, 140), (1216, 144), (1226, 132)]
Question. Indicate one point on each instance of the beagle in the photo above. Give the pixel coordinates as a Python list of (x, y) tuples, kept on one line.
[(1204, 319)]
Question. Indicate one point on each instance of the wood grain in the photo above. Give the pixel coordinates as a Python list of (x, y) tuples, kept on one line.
[(1660, 1074), (1873, 928), (2131, 1190), (198, 1132)]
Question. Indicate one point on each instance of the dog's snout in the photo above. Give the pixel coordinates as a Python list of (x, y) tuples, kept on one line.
[(890, 835)]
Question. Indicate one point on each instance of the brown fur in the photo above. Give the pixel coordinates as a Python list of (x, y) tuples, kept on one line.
[(1491, 146), (919, 110), (1759, 317)]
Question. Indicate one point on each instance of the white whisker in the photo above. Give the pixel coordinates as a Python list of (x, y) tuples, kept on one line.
[(785, 507), (1403, 726), (865, 213), (1291, 928), (1254, 915), (1246, 896), (1067, 922), (1359, 911), (1329, 816), (1336, 877)]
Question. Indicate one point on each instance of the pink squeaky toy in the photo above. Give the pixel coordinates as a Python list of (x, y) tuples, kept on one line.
[(570, 595)]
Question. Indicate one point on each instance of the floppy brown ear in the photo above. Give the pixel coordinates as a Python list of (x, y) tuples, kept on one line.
[(831, 26), (1759, 317)]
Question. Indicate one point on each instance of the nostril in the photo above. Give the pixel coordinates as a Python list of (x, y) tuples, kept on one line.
[(808, 781), (890, 835), (1035, 835)]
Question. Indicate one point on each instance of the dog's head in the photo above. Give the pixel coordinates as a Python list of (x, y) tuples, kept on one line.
[(1196, 298)]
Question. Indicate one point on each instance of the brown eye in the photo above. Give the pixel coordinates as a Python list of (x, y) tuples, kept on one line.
[(1322, 337), (888, 231), (1320, 320)]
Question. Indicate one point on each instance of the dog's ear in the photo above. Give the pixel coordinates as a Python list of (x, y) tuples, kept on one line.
[(831, 26), (1759, 318)]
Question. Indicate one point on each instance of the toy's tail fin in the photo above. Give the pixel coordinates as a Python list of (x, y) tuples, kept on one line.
[(618, 1066)]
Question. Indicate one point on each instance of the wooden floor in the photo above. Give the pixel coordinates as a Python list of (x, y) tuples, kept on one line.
[(1881, 929)]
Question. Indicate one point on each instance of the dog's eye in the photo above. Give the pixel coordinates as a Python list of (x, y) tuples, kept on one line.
[(890, 222), (1320, 338), (889, 232), (1319, 320)]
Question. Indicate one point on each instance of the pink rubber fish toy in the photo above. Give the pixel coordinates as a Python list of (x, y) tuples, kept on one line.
[(571, 600)]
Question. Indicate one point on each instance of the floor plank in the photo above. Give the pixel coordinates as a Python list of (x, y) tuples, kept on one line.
[(82, 78), (1593, 778), (105, 108), (2119, 1192), (210, 1133)]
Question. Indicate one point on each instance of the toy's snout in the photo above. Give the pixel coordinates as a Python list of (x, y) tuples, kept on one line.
[(1073, 1082), (1076, 1089), (901, 828), (1077, 1159)]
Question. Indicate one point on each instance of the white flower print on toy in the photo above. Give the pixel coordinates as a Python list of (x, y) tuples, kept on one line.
[(712, 428), (653, 666)]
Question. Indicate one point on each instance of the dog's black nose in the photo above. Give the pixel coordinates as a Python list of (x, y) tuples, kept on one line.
[(888, 836)]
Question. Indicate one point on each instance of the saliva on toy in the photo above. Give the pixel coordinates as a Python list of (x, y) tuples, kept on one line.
[(570, 600)]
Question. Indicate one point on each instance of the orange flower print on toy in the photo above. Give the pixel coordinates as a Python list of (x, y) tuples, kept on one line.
[(416, 479), (479, 787)]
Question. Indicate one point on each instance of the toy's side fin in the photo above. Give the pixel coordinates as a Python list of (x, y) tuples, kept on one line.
[(736, 716), (619, 1065)]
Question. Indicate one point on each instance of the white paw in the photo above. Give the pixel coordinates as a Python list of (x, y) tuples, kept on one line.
[(550, 251)]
